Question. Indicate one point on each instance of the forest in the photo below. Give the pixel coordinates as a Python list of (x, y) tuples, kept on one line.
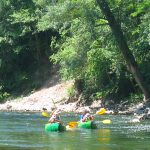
[(103, 45)]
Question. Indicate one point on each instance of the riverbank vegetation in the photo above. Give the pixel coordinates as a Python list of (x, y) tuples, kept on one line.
[(102, 44)]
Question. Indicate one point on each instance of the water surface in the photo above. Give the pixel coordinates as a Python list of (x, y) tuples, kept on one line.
[(25, 131)]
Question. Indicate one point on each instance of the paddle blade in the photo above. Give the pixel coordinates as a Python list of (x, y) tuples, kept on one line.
[(107, 121), (45, 114), (72, 124), (102, 111)]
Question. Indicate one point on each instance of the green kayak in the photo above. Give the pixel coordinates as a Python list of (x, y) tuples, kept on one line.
[(54, 127), (87, 125)]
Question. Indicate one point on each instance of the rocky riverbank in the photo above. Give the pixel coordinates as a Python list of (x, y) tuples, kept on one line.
[(55, 94), (47, 97)]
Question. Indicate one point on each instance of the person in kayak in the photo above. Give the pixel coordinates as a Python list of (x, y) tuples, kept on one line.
[(45, 112), (86, 116), (55, 116)]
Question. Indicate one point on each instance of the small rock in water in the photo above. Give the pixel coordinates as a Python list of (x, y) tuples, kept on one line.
[(135, 120)]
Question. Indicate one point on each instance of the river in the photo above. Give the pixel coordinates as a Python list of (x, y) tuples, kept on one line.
[(25, 131)]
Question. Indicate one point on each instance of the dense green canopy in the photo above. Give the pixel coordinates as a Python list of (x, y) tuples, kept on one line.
[(76, 34)]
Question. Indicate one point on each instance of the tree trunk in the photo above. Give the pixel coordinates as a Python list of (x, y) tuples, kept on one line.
[(122, 44), (37, 43), (79, 86)]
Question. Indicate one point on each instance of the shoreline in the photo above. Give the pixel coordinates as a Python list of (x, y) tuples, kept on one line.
[(56, 96), (137, 111)]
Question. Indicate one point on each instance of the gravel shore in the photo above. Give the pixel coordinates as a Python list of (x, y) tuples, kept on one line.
[(47, 97)]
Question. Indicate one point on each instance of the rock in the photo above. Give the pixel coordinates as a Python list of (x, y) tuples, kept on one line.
[(8, 106), (135, 120)]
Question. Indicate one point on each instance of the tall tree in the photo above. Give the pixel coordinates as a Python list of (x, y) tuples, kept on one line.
[(123, 46)]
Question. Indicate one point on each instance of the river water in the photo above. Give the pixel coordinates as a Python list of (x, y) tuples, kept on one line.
[(25, 131)]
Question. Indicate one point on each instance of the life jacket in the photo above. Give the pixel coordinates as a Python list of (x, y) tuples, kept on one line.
[(54, 116), (88, 117)]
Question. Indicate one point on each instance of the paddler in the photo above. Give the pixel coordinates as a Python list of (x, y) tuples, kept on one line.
[(45, 112), (55, 116), (86, 116)]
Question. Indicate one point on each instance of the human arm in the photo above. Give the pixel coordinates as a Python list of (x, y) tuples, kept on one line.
[(86, 117)]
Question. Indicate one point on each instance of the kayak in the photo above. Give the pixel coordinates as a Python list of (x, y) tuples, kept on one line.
[(54, 127), (45, 114), (102, 111), (87, 125)]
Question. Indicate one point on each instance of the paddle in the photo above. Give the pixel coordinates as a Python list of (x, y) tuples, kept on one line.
[(107, 121), (102, 111), (73, 123)]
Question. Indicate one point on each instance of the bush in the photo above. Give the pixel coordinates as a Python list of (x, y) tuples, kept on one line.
[(3, 95)]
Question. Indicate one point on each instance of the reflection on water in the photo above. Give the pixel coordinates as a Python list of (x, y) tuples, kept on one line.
[(25, 131), (104, 138)]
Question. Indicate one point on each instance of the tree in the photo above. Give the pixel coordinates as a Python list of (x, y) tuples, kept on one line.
[(123, 46)]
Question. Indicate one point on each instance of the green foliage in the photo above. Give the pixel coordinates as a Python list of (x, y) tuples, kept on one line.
[(71, 91), (72, 55), (135, 98), (98, 95), (97, 61), (41, 3), (54, 16), (75, 35), (21, 47), (141, 7), (3, 95), (101, 21), (22, 16)]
